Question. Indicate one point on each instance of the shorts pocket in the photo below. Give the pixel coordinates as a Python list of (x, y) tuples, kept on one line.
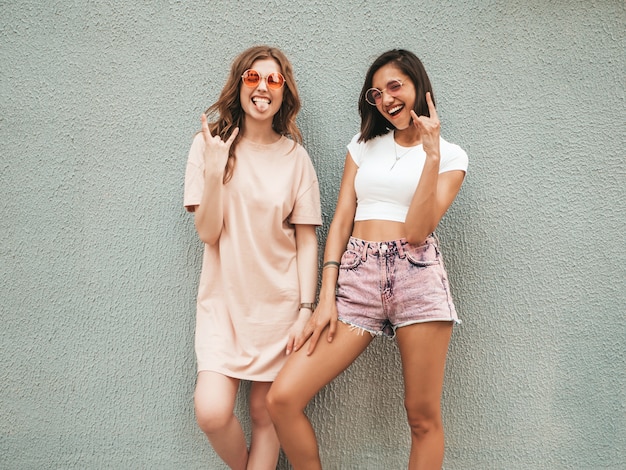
[(350, 259), (422, 255)]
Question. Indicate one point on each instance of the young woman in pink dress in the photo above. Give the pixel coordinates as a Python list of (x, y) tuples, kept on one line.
[(255, 198), (383, 272)]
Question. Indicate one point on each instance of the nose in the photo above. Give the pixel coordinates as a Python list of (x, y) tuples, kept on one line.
[(387, 98), (262, 84)]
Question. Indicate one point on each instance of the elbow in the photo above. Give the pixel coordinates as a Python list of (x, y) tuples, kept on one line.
[(207, 236), (417, 236), (342, 226), (415, 239), (208, 240), (207, 232)]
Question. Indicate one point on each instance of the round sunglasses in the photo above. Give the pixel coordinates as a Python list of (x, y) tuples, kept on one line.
[(374, 96), (251, 78)]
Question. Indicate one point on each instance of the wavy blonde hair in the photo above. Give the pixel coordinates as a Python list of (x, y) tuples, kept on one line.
[(228, 113)]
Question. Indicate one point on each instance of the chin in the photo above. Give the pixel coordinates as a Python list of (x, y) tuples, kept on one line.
[(400, 126)]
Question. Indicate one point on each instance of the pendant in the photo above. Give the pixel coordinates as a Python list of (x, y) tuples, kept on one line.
[(398, 157)]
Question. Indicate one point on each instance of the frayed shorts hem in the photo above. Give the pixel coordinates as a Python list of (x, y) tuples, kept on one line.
[(362, 330), (456, 321)]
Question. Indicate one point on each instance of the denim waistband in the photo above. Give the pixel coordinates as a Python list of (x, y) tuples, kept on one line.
[(392, 247)]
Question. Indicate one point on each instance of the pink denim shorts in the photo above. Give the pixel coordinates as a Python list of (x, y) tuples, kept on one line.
[(386, 285)]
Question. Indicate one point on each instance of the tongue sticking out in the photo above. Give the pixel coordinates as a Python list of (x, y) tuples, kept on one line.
[(261, 104)]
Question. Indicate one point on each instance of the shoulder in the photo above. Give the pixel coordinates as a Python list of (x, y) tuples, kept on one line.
[(373, 141), (293, 148), (297, 147), (299, 157), (451, 148), (359, 149), (198, 140), (355, 139), (197, 150), (453, 156), (355, 148)]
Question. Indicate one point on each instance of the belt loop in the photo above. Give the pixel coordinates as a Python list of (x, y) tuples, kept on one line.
[(400, 249), (364, 253), (434, 235)]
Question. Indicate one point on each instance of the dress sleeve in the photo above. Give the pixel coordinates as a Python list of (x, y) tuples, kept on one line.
[(307, 209), (194, 173)]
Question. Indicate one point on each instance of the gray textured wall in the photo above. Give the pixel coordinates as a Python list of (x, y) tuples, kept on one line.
[(99, 262)]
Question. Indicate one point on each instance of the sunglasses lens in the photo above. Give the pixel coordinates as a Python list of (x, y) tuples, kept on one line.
[(275, 80), (251, 78), (394, 86), (373, 96)]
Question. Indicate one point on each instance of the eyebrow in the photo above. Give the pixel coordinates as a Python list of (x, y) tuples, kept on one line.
[(388, 82)]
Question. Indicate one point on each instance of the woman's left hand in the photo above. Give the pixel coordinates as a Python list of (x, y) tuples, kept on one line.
[(428, 128)]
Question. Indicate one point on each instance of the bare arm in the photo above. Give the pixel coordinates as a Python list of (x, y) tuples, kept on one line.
[(435, 192), (306, 254), (338, 235), (209, 215)]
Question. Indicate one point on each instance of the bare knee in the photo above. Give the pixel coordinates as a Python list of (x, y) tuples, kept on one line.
[(279, 401), (423, 418), (211, 418), (273, 402), (259, 414)]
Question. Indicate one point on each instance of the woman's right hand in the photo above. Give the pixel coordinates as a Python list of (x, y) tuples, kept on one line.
[(325, 315), (215, 149)]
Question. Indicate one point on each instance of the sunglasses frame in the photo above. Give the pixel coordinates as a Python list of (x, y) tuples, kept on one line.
[(392, 93), (270, 85)]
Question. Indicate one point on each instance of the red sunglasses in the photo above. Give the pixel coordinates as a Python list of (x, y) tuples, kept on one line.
[(252, 78)]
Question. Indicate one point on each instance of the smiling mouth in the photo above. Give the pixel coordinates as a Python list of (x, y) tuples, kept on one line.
[(395, 110)]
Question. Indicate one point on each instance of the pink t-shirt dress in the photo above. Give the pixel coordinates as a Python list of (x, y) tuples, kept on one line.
[(249, 293)]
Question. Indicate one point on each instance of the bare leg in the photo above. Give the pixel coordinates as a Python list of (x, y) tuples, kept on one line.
[(423, 348), (299, 380), (215, 402), (264, 446)]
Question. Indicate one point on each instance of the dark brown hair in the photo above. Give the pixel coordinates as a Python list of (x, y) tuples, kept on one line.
[(373, 123), (227, 110)]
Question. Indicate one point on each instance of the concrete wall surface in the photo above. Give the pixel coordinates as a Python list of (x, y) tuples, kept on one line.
[(99, 262)]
